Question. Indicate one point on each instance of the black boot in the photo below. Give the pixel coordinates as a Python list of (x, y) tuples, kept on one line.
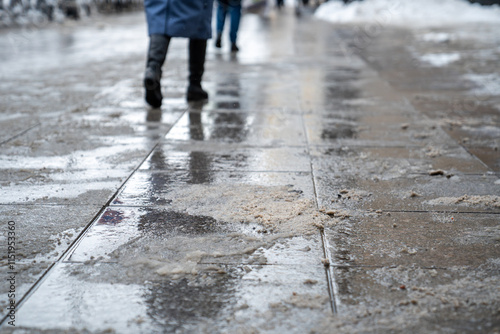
[(158, 46), (197, 51), (218, 41)]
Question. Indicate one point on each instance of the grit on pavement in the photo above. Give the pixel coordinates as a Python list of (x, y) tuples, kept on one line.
[(336, 181)]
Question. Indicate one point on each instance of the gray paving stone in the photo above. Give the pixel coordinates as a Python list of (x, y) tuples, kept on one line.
[(36, 248), (424, 240), (203, 156), (147, 188), (414, 192)]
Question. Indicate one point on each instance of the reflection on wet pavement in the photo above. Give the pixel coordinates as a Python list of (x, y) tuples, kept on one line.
[(159, 187), (212, 157)]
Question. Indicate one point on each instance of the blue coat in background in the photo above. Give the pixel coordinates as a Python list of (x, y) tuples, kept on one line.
[(180, 18)]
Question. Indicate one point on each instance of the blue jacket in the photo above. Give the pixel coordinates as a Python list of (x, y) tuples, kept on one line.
[(180, 18)]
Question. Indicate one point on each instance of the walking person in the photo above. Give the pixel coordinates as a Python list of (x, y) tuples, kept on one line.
[(177, 18), (233, 7)]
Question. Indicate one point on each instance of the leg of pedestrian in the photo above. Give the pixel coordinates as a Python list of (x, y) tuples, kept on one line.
[(157, 52), (220, 22), (197, 52), (235, 12)]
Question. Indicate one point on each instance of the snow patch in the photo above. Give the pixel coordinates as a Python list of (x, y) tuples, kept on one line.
[(436, 37), (440, 59), (487, 84), (408, 13)]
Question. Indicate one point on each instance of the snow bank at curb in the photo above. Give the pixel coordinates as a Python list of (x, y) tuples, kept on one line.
[(408, 13)]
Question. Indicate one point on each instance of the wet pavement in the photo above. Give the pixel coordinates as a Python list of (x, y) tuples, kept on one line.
[(334, 182)]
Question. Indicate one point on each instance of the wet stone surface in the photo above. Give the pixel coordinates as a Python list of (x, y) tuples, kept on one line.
[(229, 296), (210, 157), (420, 300), (457, 193), (147, 188), (427, 240), (318, 174), (60, 187), (38, 248), (392, 162), (119, 225), (250, 128)]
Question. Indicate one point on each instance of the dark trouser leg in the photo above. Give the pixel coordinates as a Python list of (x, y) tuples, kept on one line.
[(235, 24), (157, 52), (197, 52), (221, 18)]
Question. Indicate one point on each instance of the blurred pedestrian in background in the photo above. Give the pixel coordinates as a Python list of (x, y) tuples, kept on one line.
[(233, 7), (177, 18)]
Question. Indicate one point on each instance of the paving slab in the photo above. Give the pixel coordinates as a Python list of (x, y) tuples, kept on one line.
[(376, 130), (60, 186), (425, 240), (393, 162), (417, 300), (36, 249), (216, 293), (489, 156), (477, 135), (218, 300), (117, 226), (457, 193), (52, 149), (207, 156), (248, 128), (146, 188)]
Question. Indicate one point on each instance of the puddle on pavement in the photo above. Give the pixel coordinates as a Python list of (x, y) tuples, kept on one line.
[(340, 91), (197, 126), (213, 255), (256, 129), (251, 216), (337, 131)]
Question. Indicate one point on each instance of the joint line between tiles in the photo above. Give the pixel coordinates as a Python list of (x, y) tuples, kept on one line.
[(330, 276), (19, 134)]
